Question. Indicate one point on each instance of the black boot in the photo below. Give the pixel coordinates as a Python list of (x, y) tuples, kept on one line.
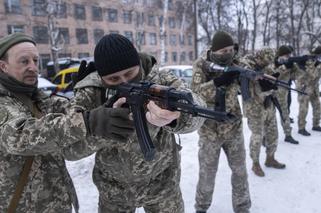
[(316, 128), (290, 139), (200, 211), (304, 132), (291, 120)]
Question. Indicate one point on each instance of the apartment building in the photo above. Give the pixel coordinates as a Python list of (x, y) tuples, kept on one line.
[(82, 23)]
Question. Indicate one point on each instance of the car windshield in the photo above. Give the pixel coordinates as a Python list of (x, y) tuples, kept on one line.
[(187, 73)]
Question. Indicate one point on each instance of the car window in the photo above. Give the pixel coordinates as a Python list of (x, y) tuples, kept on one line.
[(57, 80), (175, 72), (68, 78), (187, 73)]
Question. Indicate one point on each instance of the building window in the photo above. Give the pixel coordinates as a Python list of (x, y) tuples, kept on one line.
[(183, 57), (64, 55), (182, 40), (174, 56), (171, 22), (170, 5), (83, 55), (44, 59), (151, 20), (127, 17), (82, 36), (13, 6), (129, 35), (114, 32), (98, 34), (140, 38), (112, 15), (166, 56), (190, 40), (39, 8), (80, 11), (172, 40), (97, 13), (15, 29), (140, 18), (64, 32), (62, 10), (40, 34), (152, 39), (191, 56)]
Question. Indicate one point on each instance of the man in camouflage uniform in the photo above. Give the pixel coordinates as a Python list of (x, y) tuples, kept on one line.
[(260, 111), (124, 179), (214, 135), (309, 82), (287, 72), (36, 133)]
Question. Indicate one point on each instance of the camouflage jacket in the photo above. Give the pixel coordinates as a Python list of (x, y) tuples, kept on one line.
[(258, 98), (49, 187), (308, 81), (203, 85), (123, 163)]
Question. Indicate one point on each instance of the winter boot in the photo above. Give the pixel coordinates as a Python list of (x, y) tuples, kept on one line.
[(291, 120), (271, 162), (316, 128), (290, 139), (200, 211), (304, 132), (256, 168)]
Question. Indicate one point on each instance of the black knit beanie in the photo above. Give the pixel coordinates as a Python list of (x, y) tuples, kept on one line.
[(317, 50), (220, 40), (283, 50), (114, 53)]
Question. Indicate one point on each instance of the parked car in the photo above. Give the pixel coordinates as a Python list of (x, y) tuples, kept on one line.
[(64, 63), (184, 72), (63, 78), (46, 86)]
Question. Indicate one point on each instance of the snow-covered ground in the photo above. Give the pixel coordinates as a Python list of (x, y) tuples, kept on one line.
[(296, 189)]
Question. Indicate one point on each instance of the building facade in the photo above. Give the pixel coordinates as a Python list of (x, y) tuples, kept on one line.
[(80, 24)]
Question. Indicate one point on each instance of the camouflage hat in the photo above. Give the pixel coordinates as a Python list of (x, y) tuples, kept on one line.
[(265, 55), (283, 50), (10, 40), (317, 50), (220, 40)]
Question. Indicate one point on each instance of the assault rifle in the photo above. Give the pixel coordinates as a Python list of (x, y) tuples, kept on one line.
[(299, 60), (245, 75), (139, 94)]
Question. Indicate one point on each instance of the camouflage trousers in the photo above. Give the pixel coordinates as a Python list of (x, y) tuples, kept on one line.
[(304, 106), (161, 194), (263, 125), (282, 96), (208, 155)]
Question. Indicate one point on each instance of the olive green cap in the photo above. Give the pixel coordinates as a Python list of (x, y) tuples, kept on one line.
[(10, 40), (283, 50), (220, 40)]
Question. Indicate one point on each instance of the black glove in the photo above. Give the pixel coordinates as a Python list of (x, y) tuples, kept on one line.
[(83, 71), (276, 75), (267, 85), (112, 123), (226, 78)]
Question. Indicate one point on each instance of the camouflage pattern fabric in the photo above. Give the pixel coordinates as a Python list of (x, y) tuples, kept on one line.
[(261, 117), (282, 94), (123, 178), (309, 82), (49, 187), (215, 136)]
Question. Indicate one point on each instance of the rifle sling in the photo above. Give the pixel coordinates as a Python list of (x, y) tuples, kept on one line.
[(23, 179)]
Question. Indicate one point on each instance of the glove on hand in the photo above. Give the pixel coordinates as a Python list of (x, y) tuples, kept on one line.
[(226, 78), (84, 70), (112, 123)]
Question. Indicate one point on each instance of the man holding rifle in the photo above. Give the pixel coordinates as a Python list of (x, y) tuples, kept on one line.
[(124, 178), (220, 92)]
